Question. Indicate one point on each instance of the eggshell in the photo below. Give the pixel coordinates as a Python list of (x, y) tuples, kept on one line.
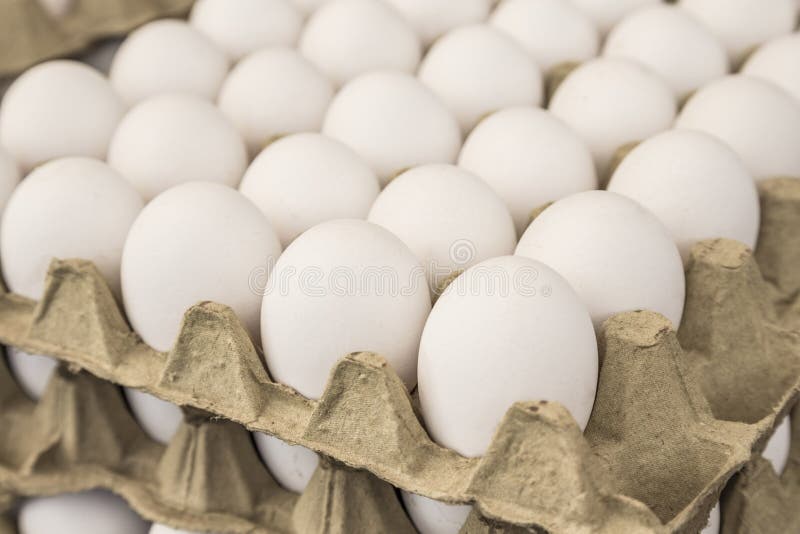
[(612, 102), (9, 177), (742, 25), (95, 511), (347, 38), (167, 56), (159, 419), (171, 139), (239, 27), (274, 92), (433, 18), (672, 43), (291, 465), (435, 517), (606, 13), (712, 527), (696, 186), (415, 128), (476, 70), (614, 252), (529, 158), (55, 109), (195, 242), (777, 449), (31, 371), (448, 217), (760, 121), (778, 61), (305, 179), (308, 6), (551, 31)]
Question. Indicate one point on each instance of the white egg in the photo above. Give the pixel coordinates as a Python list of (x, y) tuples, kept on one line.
[(778, 446), (553, 32), (615, 253), (448, 217), (170, 139), (239, 27), (606, 13), (291, 465), (308, 6), (9, 177), (742, 25), (696, 186), (778, 61), (435, 517), (712, 527), (56, 109), (477, 69), (304, 179), (672, 43), (159, 419), (612, 102), (31, 371), (195, 242), (529, 158), (760, 121), (167, 56), (89, 512), (393, 122), (433, 18), (274, 92), (346, 38)]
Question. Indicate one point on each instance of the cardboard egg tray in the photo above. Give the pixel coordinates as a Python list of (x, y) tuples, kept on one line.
[(678, 416)]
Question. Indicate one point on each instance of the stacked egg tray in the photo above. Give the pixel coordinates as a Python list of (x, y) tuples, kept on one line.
[(679, 419)]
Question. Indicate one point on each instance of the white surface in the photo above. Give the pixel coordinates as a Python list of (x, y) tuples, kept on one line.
[(448, 217), (308, 6), (292, 466), (346, 38), (356, 287), (616, 254), (176, 138), (478, 69), (778, 446), (435, 517), (197, 241), (56, 109), (415, 127), (696, 186), (9, 177), (159, 419), (68, 208), (167, 56), (305, 179), (611, 102), (778, 61), (529, 157), (672, 43), (239, 27), (551, 31), (606, 13), (760, 121), (90, 512), (274, 92), (31, 371), (433, 18), (712, 527)]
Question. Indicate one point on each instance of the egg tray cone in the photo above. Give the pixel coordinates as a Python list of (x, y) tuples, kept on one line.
[(29, 34), (677, 416)]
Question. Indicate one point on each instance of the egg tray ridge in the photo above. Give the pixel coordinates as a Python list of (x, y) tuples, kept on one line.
[(676, 416)]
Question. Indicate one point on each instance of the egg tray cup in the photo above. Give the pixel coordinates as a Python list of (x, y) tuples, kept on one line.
[(676, 416), (29, 34)]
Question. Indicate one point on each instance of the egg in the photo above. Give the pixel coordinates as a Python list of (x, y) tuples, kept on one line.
[(611, 102), (158, 528), (448, 217), (606, 13), (291, 465), (778, 61), (476, 70), (274, 92), (9, 177), (56, 109), (161, 419), (696, 186), (712, 527), (529, 158), (304, 179), (509, 329), (415, 127), (171, 139), (553, 32), (92, 511), (346, 38), (167, 56), (778, 446), (760, 121), (308, 6), (32, 372), (672, 43), (742, 25), (433, 18), (239, 27), (612, 251)]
